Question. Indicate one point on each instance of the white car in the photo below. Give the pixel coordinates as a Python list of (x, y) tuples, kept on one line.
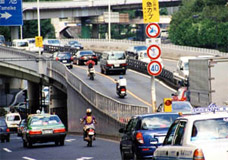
[(32, 46), (13, 120), (196, 137)]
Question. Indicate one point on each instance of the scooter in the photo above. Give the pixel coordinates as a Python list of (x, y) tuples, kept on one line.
[(91, 73), (121, 91), (90, 134)]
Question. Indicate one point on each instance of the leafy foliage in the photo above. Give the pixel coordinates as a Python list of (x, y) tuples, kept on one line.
[(201, 23)]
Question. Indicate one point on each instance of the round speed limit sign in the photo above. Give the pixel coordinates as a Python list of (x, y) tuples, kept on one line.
[(153, 52), (154, 68)]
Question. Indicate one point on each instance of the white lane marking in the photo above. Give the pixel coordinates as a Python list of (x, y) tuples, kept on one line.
[(28, 158), (162, 83), (7, 150), (84, 158), (15, 138), (70, 140)]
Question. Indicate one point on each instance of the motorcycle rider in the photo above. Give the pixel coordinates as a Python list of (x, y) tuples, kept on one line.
[(121, 82), (90, 63), (88, 121)]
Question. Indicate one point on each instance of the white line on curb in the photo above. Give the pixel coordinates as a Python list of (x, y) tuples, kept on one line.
[(7, 150), (28, 158)]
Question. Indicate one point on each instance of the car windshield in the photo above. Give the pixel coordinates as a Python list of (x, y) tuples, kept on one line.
[(210, 129), (86, 53), (140, 48), (31, 41), (186, 66), (116, 56), (158, 121), (46, 120), (181, 107), (73, 42), (22, 44), (13, 118), (64, 55), (55, 41)]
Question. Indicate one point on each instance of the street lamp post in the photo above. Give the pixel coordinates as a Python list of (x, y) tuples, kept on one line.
[(109, 21), (38, 20)]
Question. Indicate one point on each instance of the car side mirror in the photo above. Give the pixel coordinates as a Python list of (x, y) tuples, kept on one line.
[(174, 94), (181, 68), (121, 130)]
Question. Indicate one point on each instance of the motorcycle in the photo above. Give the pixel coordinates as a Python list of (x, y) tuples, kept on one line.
[(91, 73), (121, 90), (89, 134)]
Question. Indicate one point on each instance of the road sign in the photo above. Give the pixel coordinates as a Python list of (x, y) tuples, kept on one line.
[(11, 13), (150, 11), (154, 68), (155, 41), (39, 41), (152, 30), (153, 52)]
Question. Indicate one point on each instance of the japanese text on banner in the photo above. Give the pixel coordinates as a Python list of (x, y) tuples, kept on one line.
[(150, 11)]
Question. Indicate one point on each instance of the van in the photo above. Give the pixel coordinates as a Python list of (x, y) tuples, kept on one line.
[(20, 44), (13, 120), (113, 61), (32, 45)]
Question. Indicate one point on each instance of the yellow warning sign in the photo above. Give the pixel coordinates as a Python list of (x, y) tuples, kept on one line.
[(39, 41), (150, 11)]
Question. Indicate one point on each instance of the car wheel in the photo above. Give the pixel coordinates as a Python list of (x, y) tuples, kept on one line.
[(102, 71), (56, 143), (135, 157), (29, 144), (2, 140), (62, 142), (8, 139), (124, 72), (24, 144), (105, 72)]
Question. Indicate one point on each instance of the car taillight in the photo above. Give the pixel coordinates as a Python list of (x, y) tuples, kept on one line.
[(34, 132), (57, 59), (60, 130), (198, 155), (124, 64), (7, 130), (95, 57), (82, 57), (139, 137), (109, 65), (71, 58)]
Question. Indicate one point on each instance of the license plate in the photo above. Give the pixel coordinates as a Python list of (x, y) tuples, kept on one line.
[(122, 92), (47, 131), (64, 61), (91, 133), (116, 65)]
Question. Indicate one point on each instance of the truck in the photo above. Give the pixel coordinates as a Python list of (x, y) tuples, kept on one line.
[(207, 81)]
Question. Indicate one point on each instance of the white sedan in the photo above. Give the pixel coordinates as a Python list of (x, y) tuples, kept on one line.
[(196, 137)]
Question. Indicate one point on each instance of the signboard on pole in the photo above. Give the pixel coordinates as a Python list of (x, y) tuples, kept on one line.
[(39, 41), (154, 68), (153, 30), (11, 13), (153, 52), (150, 11)]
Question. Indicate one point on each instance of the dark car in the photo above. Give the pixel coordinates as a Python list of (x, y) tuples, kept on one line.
[(4, 131), (74, 44), (144, 133), (65, 58), (81, 57), (21, 127), (42, 128)]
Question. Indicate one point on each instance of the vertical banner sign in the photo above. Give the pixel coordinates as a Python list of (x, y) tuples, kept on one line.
[(150, 11), (39, 41)]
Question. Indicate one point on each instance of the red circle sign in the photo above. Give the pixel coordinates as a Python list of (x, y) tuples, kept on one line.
[(154, 68), (152, 30), (153, 52)]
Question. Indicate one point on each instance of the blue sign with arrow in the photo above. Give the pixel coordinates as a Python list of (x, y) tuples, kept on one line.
[(11, 13)]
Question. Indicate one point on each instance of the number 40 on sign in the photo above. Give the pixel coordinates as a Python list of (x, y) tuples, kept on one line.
[(154, 68)]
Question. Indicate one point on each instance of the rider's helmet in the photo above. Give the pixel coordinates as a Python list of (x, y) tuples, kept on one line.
[(120, 77), (88, 111)]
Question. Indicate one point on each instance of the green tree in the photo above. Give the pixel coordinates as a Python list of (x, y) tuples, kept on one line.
[(200, 23)]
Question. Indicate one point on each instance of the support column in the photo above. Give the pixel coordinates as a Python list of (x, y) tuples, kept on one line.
[(34, 96), (95, 31), (14, 33), (85, 30)]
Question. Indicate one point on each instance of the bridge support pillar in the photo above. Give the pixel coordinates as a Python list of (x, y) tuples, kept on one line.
[(95, 31), (58, 103), (85, 30), (34, 96), (14, 32)]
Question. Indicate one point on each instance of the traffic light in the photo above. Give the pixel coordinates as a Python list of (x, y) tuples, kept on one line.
[(167, 104)]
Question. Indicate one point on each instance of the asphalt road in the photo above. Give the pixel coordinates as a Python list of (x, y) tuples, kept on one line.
[(74, 149)]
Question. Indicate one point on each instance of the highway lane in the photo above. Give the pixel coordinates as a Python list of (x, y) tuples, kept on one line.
[(74, 149), (138, 86)]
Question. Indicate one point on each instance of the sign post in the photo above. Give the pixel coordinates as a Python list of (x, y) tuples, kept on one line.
[(150, 15), (11, 13)]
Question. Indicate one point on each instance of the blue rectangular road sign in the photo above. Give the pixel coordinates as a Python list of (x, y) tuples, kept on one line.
[(11, 13)]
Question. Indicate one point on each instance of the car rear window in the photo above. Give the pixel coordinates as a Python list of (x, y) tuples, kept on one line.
[(157, 121), (13, 118), (41, 121), (210, 129), (140, 48), (64, 55), (181, 107), (116, 56), (86, 53)]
